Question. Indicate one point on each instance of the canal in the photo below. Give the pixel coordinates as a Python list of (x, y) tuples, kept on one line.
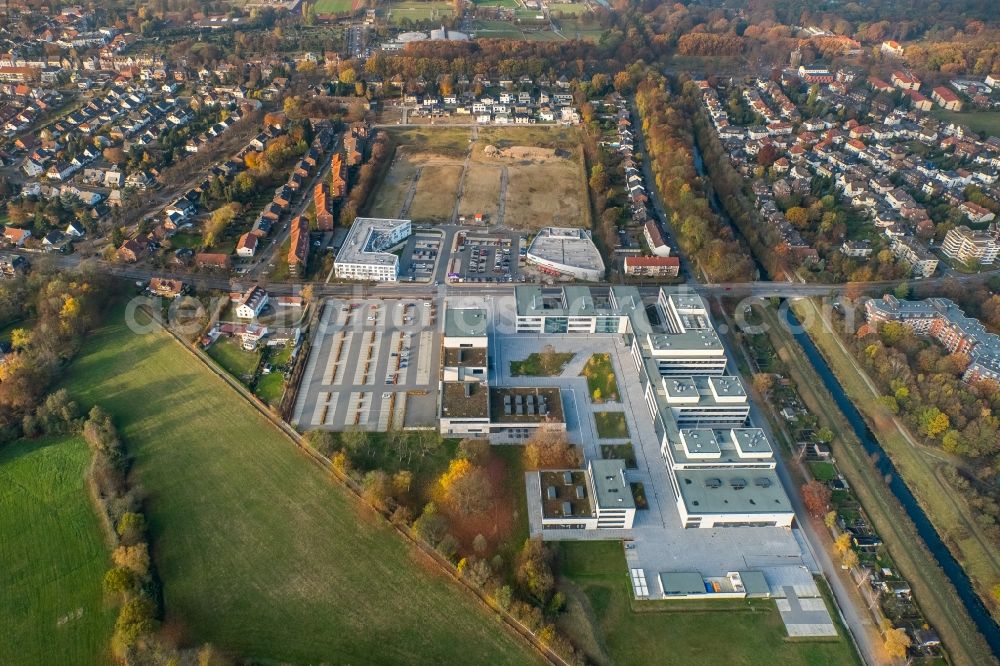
[(949, 565), (963, 586)]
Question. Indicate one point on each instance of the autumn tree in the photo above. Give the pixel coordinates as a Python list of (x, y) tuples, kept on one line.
[(114, 155), (896, 641), (376, 488), (465, 487), (548, 447), (533, 571), (816, 496), (217, 223)]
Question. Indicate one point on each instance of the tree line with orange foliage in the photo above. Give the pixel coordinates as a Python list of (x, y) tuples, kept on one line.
[(699, 231)]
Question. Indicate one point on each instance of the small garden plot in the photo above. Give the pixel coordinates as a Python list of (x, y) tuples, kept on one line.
[(601, 382), (235, 360), (548, 363), (639, 495), (823, 471), (619, 452), (611, 425)]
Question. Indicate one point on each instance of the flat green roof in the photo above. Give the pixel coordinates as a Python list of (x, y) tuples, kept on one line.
[(465, 322), (755, 584), (719, 491), (678, 583)]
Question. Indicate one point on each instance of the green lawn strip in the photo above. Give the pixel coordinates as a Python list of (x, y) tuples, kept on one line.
[(945, 508), (741, 631), (52, 557), (932, 590), (978, 121), (258, 551), (534, 365), (602, 384), (823, 471), (611, 425)]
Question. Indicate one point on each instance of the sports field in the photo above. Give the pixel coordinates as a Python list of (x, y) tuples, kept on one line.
[(417, 10), (738, 631), (52, 557), (258, 551), (335, 6)]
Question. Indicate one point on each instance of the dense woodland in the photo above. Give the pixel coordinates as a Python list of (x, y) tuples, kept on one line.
[(48, 313), (922, 384)]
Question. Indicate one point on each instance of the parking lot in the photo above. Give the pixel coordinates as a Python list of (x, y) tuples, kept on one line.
[(480, 257), (419, 257), (373, 365)]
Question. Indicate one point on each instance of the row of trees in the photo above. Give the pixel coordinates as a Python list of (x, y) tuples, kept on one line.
[(700, 233), (367, 177), (460, 513)]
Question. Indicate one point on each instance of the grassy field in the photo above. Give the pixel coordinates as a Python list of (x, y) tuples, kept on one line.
[(258, 551), (436, 192), (237, 361), (721, 631), (497, 30), (600, 377), (620, 451), (568, 8), (481, 191), (52, 557), (545, 180), (611, 425), (533, 366), (449, 141), (979, 121), (823, 471), (935, 595)]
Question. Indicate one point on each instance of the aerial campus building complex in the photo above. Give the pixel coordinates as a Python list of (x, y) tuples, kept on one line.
[(365, 254), (723, 469)]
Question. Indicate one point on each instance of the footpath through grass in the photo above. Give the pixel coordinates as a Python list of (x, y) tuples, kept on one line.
[(742, 631), (259, 552), (52, 557)]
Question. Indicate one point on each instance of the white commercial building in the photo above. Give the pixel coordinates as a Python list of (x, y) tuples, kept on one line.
[(365, 255), (567, 252)]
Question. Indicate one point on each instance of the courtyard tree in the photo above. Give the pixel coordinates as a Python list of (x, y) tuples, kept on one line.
[(549, 447)]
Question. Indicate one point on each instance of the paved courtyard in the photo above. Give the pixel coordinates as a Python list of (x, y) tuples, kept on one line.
[(373, 365), (658, 542)]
